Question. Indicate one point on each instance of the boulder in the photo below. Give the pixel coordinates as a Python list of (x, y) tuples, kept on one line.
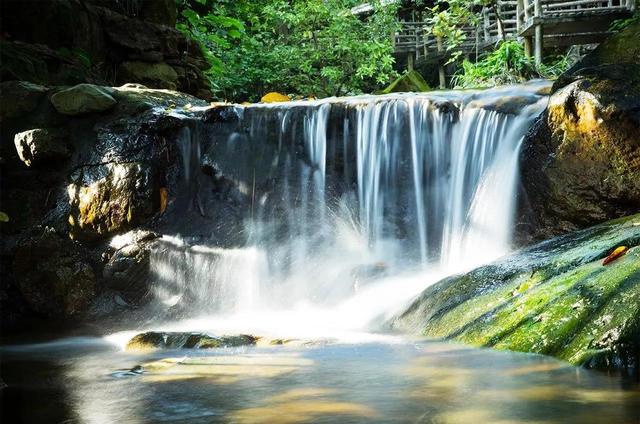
[(580, 163), (53, 275), (158, 75), (82, 99), (127, 271), (556, 298), (162, 340), (41, 146), (24, 98), (412, 81), (121, 199)]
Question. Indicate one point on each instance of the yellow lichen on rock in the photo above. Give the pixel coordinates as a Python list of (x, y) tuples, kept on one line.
[(274, 97)]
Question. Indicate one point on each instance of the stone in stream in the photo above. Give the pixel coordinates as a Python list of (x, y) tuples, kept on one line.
[(176, 340), (555, 298), (82, 99)]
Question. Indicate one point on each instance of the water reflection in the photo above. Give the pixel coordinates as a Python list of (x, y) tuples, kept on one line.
[(423, 382)]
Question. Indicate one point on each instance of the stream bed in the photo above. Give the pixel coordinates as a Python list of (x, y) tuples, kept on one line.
[(391, 379)]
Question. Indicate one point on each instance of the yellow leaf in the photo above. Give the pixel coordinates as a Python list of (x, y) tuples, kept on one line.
[(618, 252), (4, 217), (164, 196), (274, 97)]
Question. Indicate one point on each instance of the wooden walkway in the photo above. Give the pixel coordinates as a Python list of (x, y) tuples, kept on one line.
[(537, 23)]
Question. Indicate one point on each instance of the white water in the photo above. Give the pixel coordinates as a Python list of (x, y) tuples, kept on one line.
[(389, 195)]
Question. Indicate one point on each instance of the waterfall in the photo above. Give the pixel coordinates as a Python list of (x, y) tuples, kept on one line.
[(351, 198)]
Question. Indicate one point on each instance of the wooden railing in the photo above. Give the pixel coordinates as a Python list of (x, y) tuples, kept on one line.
[(508, 20)]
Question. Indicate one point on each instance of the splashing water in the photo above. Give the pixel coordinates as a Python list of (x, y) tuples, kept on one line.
[(370, 199)]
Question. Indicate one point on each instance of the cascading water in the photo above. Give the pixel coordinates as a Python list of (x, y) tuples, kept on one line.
[(356, 205)]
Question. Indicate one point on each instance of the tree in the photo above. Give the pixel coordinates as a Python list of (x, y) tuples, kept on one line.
[(304, 47)]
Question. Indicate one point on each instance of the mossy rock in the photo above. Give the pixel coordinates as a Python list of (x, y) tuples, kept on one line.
[(82, 99), (412, 81), (152, 340), (556, 298)]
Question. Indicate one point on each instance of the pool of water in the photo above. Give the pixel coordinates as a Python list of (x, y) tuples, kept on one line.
[(84, 380)]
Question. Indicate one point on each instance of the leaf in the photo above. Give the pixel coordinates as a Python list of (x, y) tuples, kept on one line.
[(4, 217), (164, 196), (617, 253)]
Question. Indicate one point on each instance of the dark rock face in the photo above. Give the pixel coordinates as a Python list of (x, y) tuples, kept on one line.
[(581, 161), (556, 298), (67, 42), (53, 275)]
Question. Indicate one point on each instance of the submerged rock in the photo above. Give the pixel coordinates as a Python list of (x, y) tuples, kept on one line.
[(160, 340), (82, 99), (555, 298), (41, 146)]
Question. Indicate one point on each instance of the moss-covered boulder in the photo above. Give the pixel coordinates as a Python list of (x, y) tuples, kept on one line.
[(555, 298), (81, 99), (580, 163), (152, 340), (411, 82), (158, 75), (121, 199)]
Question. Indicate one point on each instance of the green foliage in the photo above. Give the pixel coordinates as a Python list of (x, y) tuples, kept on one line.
[(620, 24), (508, 64), (304, 47)]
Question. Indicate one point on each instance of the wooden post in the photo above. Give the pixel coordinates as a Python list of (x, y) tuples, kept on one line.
[(410, 61), (485, 24), (441, 75), (519, 23), (538, 31), (528, 46)]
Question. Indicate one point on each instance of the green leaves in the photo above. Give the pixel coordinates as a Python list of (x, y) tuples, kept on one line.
[(305, 47)]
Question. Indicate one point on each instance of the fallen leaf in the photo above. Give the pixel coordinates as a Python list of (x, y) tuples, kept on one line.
[(164, 195), (4, 217), (618, 252)]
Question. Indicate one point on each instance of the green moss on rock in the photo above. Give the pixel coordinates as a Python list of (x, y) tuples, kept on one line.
[(412, 81), (554, 298)]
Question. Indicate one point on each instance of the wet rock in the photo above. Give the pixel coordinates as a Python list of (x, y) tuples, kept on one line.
[(41, 146), (121, 199), (410, 82), (554, 298), (82, 99), (158, 75), (512, 105), (128, 268), (161, 340), (24, 98), (53, 276), (581, 161)]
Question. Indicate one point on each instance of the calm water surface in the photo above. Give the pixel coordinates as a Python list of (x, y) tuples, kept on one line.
[(78, 381)]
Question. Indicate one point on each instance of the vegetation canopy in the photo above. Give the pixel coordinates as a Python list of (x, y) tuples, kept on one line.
[(304, 47)]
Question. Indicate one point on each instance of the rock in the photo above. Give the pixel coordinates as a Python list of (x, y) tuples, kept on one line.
[(412, 81), (82, 99), (553, 298), (507, 104), (24, 98), (159, 11), (128, 268), (274, 97), (160, 340), (580, 163), (158, 75), (41, 146), (53, 276), (123, 198)]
